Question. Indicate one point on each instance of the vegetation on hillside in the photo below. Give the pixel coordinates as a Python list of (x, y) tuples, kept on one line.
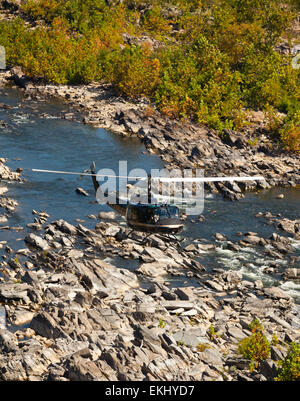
[(209, 60)]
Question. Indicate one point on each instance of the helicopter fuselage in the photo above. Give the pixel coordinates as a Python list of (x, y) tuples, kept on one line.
[(164, 219)]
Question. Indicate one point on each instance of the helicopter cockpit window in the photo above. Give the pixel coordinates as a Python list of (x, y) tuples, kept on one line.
[(150, 215), (167, 212)]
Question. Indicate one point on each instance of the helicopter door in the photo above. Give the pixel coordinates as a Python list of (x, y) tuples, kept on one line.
[(142, 214)]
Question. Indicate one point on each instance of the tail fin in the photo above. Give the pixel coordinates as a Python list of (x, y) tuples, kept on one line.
[(93, 167), (95, 182), (119, 208)]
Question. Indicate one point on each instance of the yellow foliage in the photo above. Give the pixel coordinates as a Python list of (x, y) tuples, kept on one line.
[(136, 73), (291, 138)]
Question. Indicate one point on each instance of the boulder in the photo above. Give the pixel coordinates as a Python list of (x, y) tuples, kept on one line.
[(107, 215), (19, 78), (14, 292), (212, 357), (44, 325), (83, 369), (3, 190), (191, 338), (178, 304), (287, 225), (257, 306), (66, 227), (8, 341), (21, 316), (112, 230), (214, 285), (268, 368), (277, 293), (154, 269), (252, 239), (37, 241), (159, 256), (292, 274), (220, 237)]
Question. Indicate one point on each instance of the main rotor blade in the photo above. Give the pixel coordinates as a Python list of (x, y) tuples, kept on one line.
[(88, 174), (209, 179), (161, 179)]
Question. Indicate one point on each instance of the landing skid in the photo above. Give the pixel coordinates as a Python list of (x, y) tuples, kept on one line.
[(165, 237), (143, 241), (172, 237)]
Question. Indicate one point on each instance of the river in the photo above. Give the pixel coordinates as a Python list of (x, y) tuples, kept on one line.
[(37, 137)]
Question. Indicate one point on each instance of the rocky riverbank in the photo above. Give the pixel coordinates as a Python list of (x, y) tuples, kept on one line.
[(7, 204), (179, 144), (68, 313)]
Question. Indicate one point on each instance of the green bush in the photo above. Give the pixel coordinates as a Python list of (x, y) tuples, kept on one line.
[(255, 347), (290, 132), (290, 366), (134, 71)]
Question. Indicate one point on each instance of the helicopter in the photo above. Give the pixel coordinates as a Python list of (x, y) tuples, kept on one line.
[(150, 217), (153, 218)]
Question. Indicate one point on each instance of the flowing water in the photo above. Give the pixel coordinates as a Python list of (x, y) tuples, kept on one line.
[(37, 137)]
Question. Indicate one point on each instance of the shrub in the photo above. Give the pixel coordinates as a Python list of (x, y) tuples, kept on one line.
[(290, 366), (285, 129), (162, 324), (134, 71), (202, 347), (290, 136), (255, 347), (211, 332), (155, 23)]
